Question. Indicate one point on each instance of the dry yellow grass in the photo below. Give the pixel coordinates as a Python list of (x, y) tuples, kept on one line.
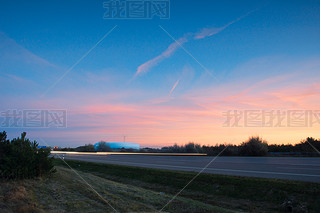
[(65, 191)]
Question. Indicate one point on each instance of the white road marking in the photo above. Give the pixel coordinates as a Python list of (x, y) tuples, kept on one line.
[(312, 169)]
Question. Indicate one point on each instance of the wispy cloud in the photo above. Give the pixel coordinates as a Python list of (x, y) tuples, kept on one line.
[(13, 52), (203, 33), (207, 32), (78, 61), (166, 54), (174, 86)]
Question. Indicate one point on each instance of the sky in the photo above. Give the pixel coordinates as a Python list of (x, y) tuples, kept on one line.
[(160, 80)]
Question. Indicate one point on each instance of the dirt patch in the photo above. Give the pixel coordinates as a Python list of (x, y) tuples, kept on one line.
[(16, 196), (17, 193), (30, 208)]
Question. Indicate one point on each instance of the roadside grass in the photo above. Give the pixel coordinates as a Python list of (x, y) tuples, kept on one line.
[(64, 191), (16, 197), (231, 192)]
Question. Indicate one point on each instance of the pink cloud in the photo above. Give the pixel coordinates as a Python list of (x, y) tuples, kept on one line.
[(201, 121), (194, 116)]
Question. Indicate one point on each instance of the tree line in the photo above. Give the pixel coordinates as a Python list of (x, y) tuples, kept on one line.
[(254, 146)]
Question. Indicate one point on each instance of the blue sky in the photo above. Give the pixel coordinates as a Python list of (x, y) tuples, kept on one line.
[(270, 48)]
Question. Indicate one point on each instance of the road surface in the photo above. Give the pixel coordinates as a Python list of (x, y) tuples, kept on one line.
[(291, 168)]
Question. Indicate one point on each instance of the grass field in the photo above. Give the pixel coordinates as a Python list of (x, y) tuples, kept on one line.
[(133, 189), (231, 192), (64, 191)]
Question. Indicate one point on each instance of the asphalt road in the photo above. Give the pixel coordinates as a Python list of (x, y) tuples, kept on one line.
[(291, 168)]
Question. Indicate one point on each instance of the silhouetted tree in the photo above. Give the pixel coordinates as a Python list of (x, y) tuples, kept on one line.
[(255, 146), (309, 146), (86, 148), (20, 158), (103, 147)]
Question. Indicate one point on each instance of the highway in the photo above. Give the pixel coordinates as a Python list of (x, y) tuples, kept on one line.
[(290, 168)]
